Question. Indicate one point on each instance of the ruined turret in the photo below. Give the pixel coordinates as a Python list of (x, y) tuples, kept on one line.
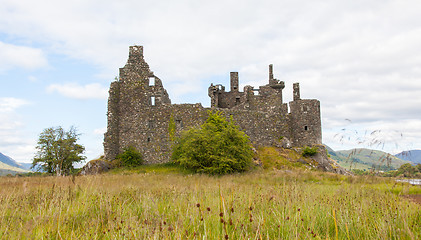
[(140, 113)]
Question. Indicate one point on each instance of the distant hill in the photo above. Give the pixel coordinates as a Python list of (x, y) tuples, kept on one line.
[(366, 159), (26, 166), (413, 156), (7, 169), (10, 166), (8, 160)]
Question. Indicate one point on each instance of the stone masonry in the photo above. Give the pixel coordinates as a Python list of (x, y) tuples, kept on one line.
[(140, 112)]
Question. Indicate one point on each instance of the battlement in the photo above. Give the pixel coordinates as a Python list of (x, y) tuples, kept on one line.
[(140, 112)]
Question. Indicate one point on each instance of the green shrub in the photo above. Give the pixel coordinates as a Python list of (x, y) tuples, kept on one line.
[(130, 157), (216, 147), (309, 151)]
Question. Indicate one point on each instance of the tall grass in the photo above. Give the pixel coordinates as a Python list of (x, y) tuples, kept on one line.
[(258, 205)]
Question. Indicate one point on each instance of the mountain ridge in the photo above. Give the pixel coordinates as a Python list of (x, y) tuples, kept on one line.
[(411, 155), (366, 159), (8, 160), (9, 166)]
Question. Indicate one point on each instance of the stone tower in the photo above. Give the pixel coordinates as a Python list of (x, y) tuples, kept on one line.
[(140, 113)]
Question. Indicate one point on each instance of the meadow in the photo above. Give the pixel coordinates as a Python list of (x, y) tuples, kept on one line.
[(167, 203)]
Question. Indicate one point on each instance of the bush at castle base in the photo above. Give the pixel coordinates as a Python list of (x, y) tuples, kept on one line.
[(130, 157), (216, 147)]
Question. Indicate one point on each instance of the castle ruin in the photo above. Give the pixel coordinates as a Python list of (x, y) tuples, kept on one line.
[(140, 112)]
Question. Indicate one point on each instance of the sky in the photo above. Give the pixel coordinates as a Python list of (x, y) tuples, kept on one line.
[(361, 59)]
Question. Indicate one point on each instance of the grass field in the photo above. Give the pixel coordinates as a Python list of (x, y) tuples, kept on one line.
[(165, 203)]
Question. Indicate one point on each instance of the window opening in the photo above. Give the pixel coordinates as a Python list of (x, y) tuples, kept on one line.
[(149, 139), (151, 124), (237, 100), (179, 123), (151, 81), (306, 128), (153, 101)]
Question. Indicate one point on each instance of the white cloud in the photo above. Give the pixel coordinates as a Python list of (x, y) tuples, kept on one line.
[(361, 59), (73, 90), (389, 136), (21, 56), (11, 104), (13, 141)]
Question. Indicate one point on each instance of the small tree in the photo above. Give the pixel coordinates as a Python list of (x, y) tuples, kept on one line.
[(407, 170), (57, 151), (130, 157), (216, 147)]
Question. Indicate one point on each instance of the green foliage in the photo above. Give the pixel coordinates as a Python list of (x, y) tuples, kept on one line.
[(408, 170), (360, 172), (57, 151), (130, 157), (171, 129), (309, 151), (272, 157), (216, 147)]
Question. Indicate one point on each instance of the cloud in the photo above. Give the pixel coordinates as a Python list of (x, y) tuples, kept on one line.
[(73, 90), (361, 59), (389, 136), (21, 57), (13, 141), (11, 104)]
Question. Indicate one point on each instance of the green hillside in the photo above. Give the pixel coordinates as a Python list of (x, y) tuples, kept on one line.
[(7, 169), (366, 159)]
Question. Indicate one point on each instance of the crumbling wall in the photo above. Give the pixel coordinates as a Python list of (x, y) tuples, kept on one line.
[(112, 136), (305, 123), (140, 113), (149, 130)]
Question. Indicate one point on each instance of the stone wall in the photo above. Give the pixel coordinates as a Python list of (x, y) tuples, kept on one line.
[(140, 113)]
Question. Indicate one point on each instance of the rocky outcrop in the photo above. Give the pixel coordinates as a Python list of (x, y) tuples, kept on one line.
[(95, 167), (325, 163)]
